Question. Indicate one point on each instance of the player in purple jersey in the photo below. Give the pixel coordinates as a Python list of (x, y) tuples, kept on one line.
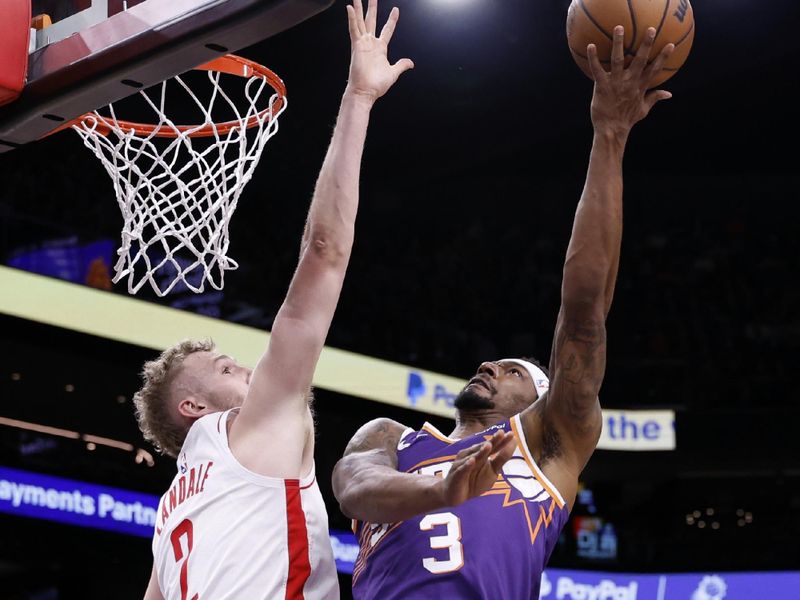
[(476, 514)]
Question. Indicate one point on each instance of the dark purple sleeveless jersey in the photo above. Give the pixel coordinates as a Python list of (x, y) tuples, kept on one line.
[(493, 546)]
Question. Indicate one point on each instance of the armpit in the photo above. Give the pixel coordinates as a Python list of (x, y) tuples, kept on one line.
[(551, 444)]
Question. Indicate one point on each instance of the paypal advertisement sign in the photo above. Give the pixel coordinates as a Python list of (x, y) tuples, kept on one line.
[(559, 584), (638, 430), (629, 430), (76, 502), (432, 393)]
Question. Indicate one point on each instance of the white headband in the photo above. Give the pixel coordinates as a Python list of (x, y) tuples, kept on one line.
[(540, 380)]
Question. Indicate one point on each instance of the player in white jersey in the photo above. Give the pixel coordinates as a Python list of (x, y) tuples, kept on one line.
[(244, 518)]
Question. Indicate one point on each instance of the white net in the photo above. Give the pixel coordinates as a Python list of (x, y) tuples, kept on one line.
[(177, 192)]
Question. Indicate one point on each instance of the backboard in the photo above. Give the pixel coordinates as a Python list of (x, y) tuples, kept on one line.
[(100, 51)]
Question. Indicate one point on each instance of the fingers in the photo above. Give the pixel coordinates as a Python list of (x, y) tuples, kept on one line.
[(658, 64), (503, 454), (496, 450), (358, 9), (598, 73), (484, 450), (656, 96), (402, 65), (372, 16), (388, 29), (461, 467), (352, 24), (471, 451), (466, 460), (618, 51), (643, 53), (499, 438), (501, 441)]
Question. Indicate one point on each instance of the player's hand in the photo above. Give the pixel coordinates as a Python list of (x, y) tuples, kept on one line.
[(371, 74), (621, 97), (476, 468)]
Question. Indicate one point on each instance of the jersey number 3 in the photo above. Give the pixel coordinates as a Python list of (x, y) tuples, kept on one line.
[(184, 528), (451, 542)]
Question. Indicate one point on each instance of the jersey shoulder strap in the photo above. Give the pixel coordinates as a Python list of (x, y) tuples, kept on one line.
[(428, 433)]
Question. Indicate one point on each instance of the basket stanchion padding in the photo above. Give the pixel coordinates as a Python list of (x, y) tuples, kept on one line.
[(15, 33)]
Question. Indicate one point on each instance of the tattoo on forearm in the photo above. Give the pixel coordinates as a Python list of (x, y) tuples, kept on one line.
[(581, 351), (580, 363)]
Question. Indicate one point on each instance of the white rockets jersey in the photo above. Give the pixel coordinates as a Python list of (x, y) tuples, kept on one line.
[(226, 533)]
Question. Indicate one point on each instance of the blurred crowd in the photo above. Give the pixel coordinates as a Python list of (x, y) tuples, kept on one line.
[(444, 277)]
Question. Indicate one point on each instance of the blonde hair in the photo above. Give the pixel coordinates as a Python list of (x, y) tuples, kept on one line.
[(152, 400)]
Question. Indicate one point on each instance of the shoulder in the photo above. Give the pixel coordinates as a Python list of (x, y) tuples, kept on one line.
[(214, 424), (210, 429), (377, 434), (205, 426)]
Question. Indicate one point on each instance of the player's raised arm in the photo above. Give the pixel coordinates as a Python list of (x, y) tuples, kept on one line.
[(565, 426), (275, 408), (369, 488)]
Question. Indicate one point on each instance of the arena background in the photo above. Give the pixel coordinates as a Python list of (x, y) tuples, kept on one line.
[(473, 167)]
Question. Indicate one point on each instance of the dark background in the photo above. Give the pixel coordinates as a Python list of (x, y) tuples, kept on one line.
[(473, 167)]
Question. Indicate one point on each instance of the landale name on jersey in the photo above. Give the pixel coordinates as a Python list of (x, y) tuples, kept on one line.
[(187, 486)]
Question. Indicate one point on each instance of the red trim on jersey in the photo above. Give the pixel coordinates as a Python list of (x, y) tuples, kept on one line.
[(299, 564), (313, 479)]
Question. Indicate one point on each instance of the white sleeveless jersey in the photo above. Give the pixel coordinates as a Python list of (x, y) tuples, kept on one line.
[(225, 533)]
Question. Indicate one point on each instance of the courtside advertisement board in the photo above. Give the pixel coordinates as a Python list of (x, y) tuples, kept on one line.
[(27, 494), (558, 584), (76, 502)]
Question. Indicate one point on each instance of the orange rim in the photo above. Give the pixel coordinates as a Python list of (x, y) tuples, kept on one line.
[(230, 64)]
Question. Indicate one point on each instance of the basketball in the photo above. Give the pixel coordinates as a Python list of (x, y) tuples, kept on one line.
[(593, 22)]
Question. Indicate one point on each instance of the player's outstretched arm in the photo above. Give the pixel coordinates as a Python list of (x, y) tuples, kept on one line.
[(369, 488), (275, 409), (565, 426)]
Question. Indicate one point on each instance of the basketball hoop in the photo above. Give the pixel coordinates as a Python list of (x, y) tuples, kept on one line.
[(178, 185)]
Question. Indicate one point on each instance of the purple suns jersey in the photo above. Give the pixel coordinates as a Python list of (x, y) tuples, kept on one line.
[(493, 546)]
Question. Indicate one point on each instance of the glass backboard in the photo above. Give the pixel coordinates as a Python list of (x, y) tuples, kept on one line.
[(99, 51)]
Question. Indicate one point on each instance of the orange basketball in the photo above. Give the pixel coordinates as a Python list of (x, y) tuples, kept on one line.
[(593, 22)]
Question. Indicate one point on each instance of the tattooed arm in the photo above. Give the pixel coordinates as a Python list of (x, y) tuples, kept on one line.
[(563, 427), (369, 487)]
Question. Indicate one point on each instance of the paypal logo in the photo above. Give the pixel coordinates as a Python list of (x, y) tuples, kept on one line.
[(712, 587), (560, 584), (416, 388), (605, 590), (441, 394)]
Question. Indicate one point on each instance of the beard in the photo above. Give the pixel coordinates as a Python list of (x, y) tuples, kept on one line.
[(468, 399)]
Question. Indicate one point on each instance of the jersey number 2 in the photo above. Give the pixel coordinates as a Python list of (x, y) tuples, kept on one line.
[(451, 541), (184, 528)]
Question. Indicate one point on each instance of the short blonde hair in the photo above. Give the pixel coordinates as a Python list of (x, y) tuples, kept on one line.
[(152, 400)]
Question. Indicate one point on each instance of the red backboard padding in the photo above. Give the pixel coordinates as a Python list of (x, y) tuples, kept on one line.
[(15, 31)]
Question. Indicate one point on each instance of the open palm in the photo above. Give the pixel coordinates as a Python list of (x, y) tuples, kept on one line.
[(622, 96), (475, 469), (371, 73)]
